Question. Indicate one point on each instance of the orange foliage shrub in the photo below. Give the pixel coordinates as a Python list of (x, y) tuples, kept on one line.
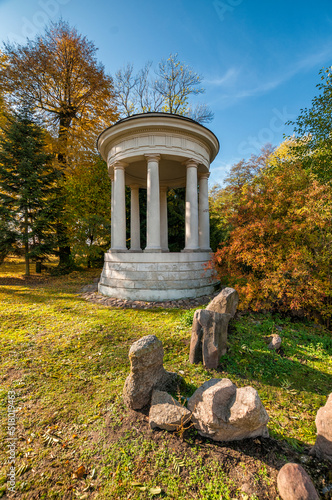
[(278, 253)]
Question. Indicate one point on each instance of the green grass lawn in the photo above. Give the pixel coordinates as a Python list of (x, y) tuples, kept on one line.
[(67, 360)]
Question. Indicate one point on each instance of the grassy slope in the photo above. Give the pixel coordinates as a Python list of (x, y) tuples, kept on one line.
[(67, 360)]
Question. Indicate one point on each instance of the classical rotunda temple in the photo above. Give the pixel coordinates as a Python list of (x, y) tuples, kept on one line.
[(158, 151)]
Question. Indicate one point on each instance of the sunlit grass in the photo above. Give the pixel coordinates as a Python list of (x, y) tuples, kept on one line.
[(67, 360)]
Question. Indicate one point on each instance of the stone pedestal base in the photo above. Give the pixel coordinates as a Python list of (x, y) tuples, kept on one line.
[(156, 276)]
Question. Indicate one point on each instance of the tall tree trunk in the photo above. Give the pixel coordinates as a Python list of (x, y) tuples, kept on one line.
[(26, 244), (65, 259)]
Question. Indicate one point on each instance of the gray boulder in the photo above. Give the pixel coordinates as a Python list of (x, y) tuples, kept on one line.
[(167, 413), (208, 338), (294, 484), (275, 342), (222, 412), (147, 373), (226, 302), (323, 445)]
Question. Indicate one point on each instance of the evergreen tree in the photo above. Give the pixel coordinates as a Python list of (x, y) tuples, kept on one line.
[(28, 196)]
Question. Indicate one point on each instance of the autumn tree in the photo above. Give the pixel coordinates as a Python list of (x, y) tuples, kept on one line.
[(226, 201), (58, 73), (278, 254), (3, 107), (313, 129), (28, 194), (170, 91)]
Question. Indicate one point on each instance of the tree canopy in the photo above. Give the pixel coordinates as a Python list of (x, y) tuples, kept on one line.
[(58, 74), (174, 83), (313, 130)]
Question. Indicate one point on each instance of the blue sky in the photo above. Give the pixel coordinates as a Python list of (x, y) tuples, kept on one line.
[(260, 60)]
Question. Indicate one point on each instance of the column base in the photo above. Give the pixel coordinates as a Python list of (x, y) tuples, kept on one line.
[(152, 250), (191, 250), (118, 250), (135, 250)]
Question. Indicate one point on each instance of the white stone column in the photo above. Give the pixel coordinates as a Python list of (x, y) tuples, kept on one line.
[(191, 208), (135, 229), (119, 209), (203, 214), (163, 219), (153, 205), (112, 210)]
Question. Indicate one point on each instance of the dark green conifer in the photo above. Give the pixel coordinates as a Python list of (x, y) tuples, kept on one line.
[(28, 192)]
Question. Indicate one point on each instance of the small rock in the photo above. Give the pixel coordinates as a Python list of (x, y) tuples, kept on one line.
[(247, 489), (323, 445), (147, 372), (222, 412), (226, 301), (167, 413), (294, 484), (208, 337), (304, 459), (275, 342)]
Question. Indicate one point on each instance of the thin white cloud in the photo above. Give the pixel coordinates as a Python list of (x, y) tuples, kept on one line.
[(304, 64), (230, 75), (260, 89)]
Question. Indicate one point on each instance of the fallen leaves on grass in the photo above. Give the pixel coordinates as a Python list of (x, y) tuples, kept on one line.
[(153, 491), (80, 472)]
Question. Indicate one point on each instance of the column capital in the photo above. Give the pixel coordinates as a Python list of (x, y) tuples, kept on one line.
[(134, 186), (152, 157), (191, 163), (119, 165), (164, 188), (204, 175)]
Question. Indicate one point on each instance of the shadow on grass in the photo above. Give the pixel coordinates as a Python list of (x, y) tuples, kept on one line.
[(278, 371), (27, 294)]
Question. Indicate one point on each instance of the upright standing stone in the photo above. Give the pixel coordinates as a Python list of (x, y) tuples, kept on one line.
[(226, 302), (323, 446), (224, 413), (147, 372), (295, 484), (208, 338)]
